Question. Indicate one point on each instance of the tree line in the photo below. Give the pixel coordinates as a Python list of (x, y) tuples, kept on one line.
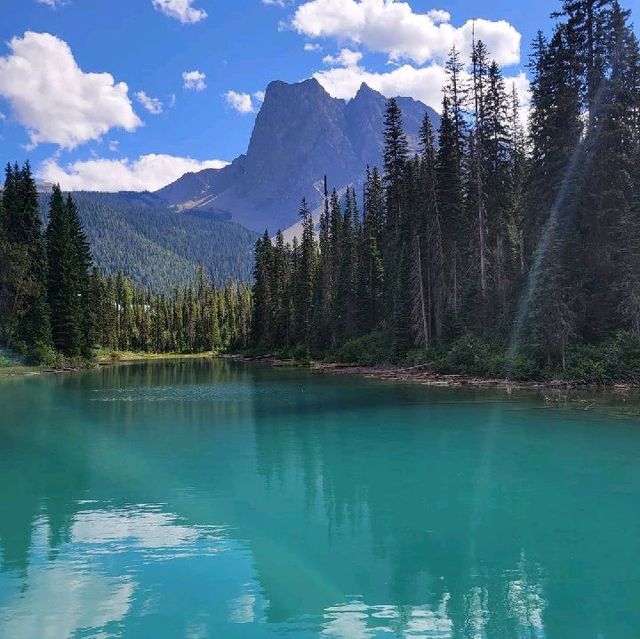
[(54, 303), (491, 240)]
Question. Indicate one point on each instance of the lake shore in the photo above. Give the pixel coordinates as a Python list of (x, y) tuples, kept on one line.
[(102, 359), (424, 375), (421, 374)]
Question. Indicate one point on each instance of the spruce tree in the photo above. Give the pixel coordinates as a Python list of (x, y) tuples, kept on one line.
[(263, 312), (431, 235), (66, 318), (24, 231), (305, 277)]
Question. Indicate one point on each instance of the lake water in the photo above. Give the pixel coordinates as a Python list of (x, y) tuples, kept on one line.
[(194, 499)]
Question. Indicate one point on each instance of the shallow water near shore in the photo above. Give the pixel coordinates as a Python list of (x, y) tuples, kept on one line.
[(214, 498)]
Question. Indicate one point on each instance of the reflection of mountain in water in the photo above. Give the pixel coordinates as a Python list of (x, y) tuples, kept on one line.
[(198, 497)]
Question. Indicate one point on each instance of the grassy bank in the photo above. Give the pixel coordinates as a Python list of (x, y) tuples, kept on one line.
[(113, 357), (11, 365)]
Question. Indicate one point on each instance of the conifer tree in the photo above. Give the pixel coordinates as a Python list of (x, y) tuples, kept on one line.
[(31, 331), (63, 295), (370, 272), (262, 318), (396, 151), (305, 277), (431, 235)]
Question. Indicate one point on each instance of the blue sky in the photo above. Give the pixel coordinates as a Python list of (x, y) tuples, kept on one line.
[(91, 131)]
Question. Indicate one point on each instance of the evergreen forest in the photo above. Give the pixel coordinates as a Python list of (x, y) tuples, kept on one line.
[(56, 307), (505, 247)]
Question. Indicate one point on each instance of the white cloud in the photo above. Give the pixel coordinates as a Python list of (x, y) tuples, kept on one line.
[(62, 596), (392, 27), (114, 145), (276, 3), (181, 10), (346, 58), (194, 80), (153, 105), (421, 83), (424, 83), (51, 3), (241, 102), (312, 46), (147, 173), (523, 89), (55, 100), (172, 101), (259, 96)]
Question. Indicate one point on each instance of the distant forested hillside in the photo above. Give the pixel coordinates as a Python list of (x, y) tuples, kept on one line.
[(159, 248), (57, 307)]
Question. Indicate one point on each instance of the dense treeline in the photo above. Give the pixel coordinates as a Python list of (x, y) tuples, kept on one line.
[(55, 303), (491, 248), (158, 247)]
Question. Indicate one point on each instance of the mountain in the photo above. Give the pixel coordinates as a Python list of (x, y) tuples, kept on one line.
[(301, 133), (156, 246)]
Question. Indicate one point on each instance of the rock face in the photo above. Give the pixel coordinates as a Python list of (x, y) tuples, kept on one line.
[(301, 134)]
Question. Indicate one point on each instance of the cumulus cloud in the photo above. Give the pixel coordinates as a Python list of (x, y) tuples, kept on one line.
[(392, 27), (153, 105), (181, 10), (312, 46), (51, 3), (54, 99), (346, 58), (241, 102), (147, 173), (194, 80), (421, 83), (259, 96)]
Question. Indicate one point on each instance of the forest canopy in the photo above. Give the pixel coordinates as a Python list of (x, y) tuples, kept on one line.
[(499, 248)]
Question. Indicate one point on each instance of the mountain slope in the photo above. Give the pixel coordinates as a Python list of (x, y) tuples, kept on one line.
[(158, 247), (301, 134)]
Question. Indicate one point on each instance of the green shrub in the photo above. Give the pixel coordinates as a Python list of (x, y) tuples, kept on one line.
[(622, 359), (471, 355), (43, 356), (300, 353), (373, 349), (422, 356), (524, 368), (584, 364)]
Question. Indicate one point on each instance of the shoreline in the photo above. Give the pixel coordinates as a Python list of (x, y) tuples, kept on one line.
[(420, 374), (102, 360), (423, 375)]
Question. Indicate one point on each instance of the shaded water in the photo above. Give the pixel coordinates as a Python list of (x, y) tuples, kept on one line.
[(217, 499)]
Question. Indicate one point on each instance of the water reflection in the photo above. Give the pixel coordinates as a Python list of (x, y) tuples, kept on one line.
[(198, 499)]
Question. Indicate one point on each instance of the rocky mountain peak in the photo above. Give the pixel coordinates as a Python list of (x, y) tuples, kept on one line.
[(301, 133)]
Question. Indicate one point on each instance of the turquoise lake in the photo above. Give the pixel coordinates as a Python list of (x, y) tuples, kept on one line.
[(215, 499)]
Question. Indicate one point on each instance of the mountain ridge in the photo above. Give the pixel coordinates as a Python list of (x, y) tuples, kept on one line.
[(300, 135)]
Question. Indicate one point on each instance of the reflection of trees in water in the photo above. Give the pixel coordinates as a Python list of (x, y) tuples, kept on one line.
[(40, 476), (401, 520), (340, 486)]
